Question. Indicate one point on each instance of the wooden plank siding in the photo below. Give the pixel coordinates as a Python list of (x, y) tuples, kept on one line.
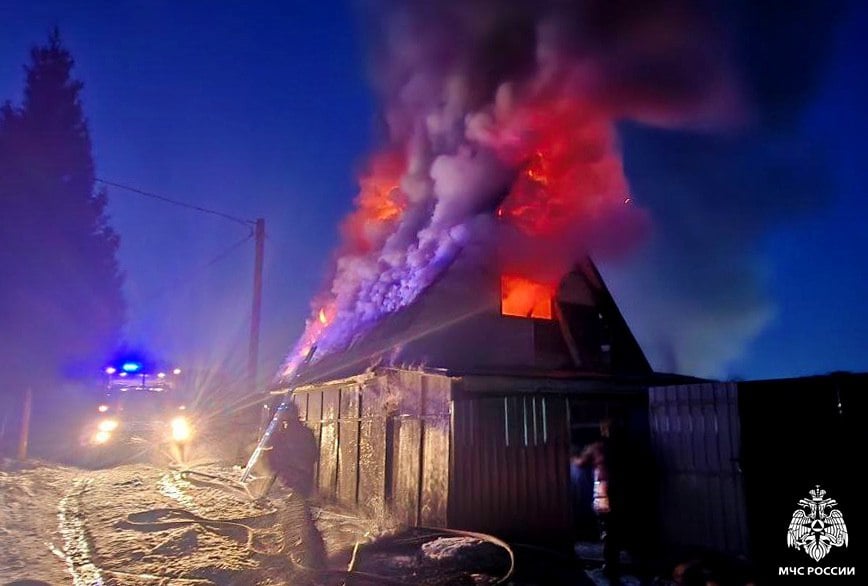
[(436, 419), (328, 453), (372, 452), (314, 422), (416, 449), (384, 444), (348, 446)]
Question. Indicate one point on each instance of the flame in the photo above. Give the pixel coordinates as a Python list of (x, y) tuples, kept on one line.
[(525, 298), (379, 208), (379, 204), (570, 168), (538, 169), (569, 181)]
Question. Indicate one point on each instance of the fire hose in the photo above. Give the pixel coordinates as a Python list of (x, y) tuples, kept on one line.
[(243, 529), (264, 445), (170, 518)]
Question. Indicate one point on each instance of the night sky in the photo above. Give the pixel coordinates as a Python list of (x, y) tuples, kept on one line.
[(818, 265), (265, 111)]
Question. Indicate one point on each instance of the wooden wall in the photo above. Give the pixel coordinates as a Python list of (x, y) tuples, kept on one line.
[(417, 449), (383, 444)]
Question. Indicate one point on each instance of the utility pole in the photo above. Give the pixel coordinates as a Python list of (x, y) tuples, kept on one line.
[(259, 236), (24, 438), (256, 313)]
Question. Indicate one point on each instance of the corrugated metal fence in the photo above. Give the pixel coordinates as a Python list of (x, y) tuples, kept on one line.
[(697, 442), (510, 466)]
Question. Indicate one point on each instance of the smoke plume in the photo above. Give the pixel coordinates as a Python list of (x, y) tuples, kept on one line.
[(695, 293), (500, 127)]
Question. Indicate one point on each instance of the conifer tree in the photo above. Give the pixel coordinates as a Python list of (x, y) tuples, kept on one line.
[(61, 305)]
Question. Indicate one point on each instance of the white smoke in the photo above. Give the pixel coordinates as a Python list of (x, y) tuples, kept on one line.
[(480, 97)]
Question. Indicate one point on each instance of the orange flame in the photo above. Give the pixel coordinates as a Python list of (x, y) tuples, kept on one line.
[(525, 298), (380, 203), (571, 168)]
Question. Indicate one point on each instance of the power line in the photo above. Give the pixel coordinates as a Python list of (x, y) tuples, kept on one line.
[(257, 232), (190, 275), (176, 202)]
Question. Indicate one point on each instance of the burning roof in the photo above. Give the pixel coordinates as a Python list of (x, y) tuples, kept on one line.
[(501, 137), (466, 323)]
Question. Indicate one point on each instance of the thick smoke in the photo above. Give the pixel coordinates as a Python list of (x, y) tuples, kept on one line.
[(500, 128)]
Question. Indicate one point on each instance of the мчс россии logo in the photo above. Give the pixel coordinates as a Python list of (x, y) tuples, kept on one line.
[(814, 528)]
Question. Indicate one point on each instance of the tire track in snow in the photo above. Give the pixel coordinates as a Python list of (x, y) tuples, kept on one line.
[(76, 547)]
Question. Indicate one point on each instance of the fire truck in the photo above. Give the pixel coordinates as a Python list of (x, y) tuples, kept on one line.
[(142, 415)]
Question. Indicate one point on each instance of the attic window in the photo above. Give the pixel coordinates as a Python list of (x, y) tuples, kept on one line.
[(525, 298)]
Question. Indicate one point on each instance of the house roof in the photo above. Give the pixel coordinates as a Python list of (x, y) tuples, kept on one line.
[(456, 327)]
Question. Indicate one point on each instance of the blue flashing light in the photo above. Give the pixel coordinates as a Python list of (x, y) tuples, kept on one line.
[(131, 367)]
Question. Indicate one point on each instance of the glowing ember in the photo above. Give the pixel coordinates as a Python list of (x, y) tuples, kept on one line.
[(525, 298), (322, 317)]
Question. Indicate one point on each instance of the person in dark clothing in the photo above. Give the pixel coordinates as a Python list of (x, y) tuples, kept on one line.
[(291, 457), (292, 453), (603, 459)]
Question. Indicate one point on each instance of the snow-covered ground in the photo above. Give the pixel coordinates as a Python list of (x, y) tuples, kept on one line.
[(139, 524), (144, 525), (29, 528)]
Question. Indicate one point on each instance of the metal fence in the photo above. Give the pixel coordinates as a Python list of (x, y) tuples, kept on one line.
[(696, 439)]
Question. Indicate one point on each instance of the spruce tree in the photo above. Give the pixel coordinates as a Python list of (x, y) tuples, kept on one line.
[(61, 305)]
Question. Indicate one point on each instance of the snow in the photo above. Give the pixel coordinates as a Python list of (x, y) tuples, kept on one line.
[(29, 531), (140, 525), (447, 547)]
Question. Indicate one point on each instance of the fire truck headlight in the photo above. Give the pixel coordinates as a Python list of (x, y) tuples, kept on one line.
[(102, 408), (102, 437), (181, 429), (107, 425)]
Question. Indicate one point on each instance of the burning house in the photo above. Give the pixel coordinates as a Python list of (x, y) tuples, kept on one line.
[(465, 344), (461, 409)]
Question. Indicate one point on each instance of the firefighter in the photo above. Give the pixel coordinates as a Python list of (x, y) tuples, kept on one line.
[(291, 457)]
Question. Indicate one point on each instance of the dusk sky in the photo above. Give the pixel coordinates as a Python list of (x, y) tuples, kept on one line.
[(264, 110)]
